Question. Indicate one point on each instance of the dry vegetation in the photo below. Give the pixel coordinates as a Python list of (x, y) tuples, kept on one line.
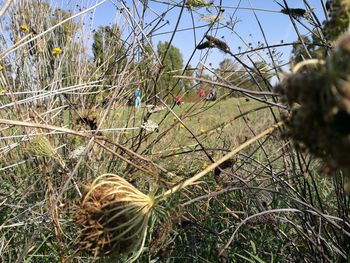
[(85, 177)]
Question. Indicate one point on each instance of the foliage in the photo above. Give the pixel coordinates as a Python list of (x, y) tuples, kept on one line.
[(339, 19), (172, 65)]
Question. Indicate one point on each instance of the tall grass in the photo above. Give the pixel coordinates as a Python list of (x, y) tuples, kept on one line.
[(66, 119)]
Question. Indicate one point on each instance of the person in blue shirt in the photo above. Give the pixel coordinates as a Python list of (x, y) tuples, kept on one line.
[(137, 97)]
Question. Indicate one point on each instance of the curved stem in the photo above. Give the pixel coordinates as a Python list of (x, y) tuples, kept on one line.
[(307, 62)]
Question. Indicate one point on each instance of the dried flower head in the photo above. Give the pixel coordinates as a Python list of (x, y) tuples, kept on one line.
[(320, 107), (296, 12), (219, 44), (113, 217)]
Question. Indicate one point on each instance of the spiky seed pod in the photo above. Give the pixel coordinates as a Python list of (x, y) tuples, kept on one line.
[(206, 44), (339, 19), (265, 219), (218, 43), (113, 217), (296, 12), (338, 67)]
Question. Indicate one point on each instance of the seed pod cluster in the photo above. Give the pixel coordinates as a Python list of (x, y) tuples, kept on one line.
[(214, 43), (319, 99), (113, 217), (296, 12)]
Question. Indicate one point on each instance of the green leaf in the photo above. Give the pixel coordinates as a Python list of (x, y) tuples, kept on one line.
[(257, 259), (247, 259), (253, 247)]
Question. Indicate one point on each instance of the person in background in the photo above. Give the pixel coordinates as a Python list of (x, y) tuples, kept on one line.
[(178, 100), (212, 95), (201, 93), (138, 97)]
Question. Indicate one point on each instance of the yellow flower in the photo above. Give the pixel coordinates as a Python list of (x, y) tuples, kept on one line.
[(205, 165), (24, 28), (126, 134), (174, 119), (2, 90), (202, 130), (1, 67), (181, 126), (56, 51)]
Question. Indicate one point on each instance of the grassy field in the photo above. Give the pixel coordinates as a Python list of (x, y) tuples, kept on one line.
[(31, 176), (85, 177)]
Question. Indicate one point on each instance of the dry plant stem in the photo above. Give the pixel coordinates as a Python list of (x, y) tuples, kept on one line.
[(259, 93), (97, 138), (126, 160), (308, 62), (217, 163), (51, 28), (269, 212), (6, 6), (42, 126)]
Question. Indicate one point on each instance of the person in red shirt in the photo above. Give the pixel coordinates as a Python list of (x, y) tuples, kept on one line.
[(178, 100), (201, 93)]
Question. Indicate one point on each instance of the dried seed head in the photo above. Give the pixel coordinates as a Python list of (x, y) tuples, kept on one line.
[(113, 217), (89, 118), (339, 62), (264, 219), (296, 12), (320, 107), (218, 43)]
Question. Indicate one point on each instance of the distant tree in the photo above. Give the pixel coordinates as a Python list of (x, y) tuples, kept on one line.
[(109, 52), (146, 71), (188, 84), (298, 52), (97, 48), (173, 64), (261, 76), (239, 76), (229, 71)]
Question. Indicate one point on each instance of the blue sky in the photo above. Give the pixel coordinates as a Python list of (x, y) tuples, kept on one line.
[(276, 26)]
